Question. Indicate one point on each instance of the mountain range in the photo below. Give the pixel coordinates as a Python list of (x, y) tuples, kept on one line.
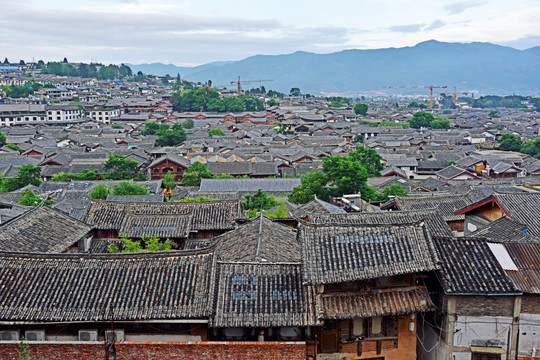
[(482, 68)]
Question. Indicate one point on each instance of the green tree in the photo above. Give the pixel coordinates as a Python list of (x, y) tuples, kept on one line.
[(360, 109), (120, 167), (128, 188), (100, 192), (188, 124), (369, 159), (15, 148), (416, 105), (191, 179), (421, 119), (494, 114), (258, 201), (2, 139), (24, 353), (272, 102), (29, 174), (215, 132), (532, 147), (151, 244), (169, 180), (311, 184), (346, 175), (29, 198), (176, 101), (394, 190), (171, 137), (295, 91), (510, 142), (440, 122), (194, 174), (279, 213)]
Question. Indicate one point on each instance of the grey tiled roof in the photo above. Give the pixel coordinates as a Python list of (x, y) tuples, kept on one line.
[(42, 229), (260, 239), (262, 295), (434, 222), (249, 185), (339, 253), (78, 287), (469, 267)]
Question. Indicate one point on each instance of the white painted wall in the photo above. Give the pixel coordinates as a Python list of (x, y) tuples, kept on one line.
[(529, 334)]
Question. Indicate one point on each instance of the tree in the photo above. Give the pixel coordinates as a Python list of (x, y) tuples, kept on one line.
[(191, 179), (494, 114), (272, 102), (29, 198), (188, 124), (171, 137), (394, 190), (151, 244), (360, 109), (2, 139), (29, 174), (176, 101), (128, 188), (100, 192), (510, 142), (295, 91), (65, 61), (215, 132), (531, 147), (169, 180), (258, 201), (312, 184), (15, 148), (346, 174), (369, 158), (440, 122), (24, 352), (421, 119), (194, 174), (120, 167)]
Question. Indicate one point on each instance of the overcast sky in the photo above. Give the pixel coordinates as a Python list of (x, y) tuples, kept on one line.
[(185, 32)]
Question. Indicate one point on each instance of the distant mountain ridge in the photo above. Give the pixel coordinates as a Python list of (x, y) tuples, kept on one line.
[(480, 67)]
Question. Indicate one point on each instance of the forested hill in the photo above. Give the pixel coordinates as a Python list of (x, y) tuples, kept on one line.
[(479, 67)]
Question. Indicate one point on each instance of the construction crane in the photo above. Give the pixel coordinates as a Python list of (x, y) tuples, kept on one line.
[(239, 83), (430, 87), (456, 94)]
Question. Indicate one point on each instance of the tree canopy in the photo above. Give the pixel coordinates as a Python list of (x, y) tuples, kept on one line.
[(340, 175), (421, 119), (29, 198), (215, 132), (440, 122), (258, 201), (2, 139), (360, 109), (128, 188), (532, 147), (100, 192), (120, 167), (510, 142)]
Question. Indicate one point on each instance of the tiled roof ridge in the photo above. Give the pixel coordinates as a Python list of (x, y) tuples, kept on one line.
[(267, 263), (110, 256), (374, 291), (419, 222)]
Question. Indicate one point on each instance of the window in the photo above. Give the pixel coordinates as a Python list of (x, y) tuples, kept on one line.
[(476, 356), (156, 171)]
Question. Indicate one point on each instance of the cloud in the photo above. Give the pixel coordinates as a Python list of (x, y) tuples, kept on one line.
[(435, 25), (459, 7), (412, 28)]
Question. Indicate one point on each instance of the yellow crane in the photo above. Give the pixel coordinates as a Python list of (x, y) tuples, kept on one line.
[(430, 87)]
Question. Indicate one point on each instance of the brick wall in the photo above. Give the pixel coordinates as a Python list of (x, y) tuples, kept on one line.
[(485, 305), (530, 304), (163, 350)]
